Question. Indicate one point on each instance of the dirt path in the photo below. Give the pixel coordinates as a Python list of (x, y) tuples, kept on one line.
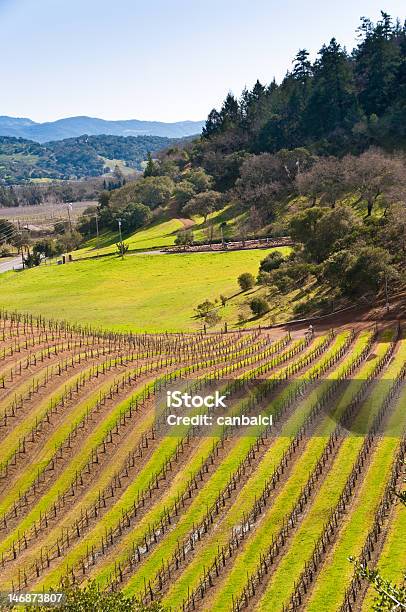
[(187, 223)]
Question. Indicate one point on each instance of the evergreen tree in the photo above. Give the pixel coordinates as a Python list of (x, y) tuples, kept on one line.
[(302, 68), (150, 167), (377, 63), (253, 105), (230, 112), (332, 104), (213, 124)]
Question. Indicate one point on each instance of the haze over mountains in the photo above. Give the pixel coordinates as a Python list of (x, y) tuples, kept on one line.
[(71, 127)]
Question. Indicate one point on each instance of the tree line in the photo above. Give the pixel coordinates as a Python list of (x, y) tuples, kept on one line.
[(342, 102)]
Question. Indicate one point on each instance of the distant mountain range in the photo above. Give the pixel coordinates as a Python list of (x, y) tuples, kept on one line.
[(72, 127)]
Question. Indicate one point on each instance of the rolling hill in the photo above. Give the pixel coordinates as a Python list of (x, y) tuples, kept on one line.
[(73, 158)]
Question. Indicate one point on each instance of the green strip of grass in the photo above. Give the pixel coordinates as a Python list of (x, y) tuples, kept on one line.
[(140, 484), (260, 539), (206, 496), (251, 490), (337, 570), (392, 561), (301, 547), (10, 443), (60, 434), (209, 493), (77, 463), (128, 444)]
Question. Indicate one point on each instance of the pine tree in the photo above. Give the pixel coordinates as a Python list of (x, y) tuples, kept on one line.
[(150, 167), (230, 112), (213, 124), (332, 104), (302, 68), (377, 63)]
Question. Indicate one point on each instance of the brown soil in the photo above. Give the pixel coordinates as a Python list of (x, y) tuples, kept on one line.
[(60, 467), (187, 223)]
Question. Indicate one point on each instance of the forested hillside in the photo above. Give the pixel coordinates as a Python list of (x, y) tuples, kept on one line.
[(342, 102), (320, 157), (73, 158)]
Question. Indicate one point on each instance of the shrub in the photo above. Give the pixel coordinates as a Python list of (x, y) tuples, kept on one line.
[(313, 306), (184, 238), (68, 241), (46, 247), (204, 308), (246, 281), (32, 259), (135, 215), (264, 278), (122, 248), (91, 598), (359, 272), (6, 250), (271, 262), (298, 271), (259, 306), (281, 280), (212, 318)]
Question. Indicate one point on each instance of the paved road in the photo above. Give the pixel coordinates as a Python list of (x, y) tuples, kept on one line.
[(11, 264), (152, 252)]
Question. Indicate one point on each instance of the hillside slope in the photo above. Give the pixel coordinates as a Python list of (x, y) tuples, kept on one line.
[(22, 159)]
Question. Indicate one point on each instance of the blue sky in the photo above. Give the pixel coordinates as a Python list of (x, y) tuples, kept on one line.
[(165, 60)]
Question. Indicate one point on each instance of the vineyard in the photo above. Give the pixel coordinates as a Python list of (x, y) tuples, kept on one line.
[(255, 517)]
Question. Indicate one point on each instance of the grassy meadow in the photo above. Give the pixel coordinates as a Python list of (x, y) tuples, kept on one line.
[(159, 234), (154, 236), (141, 293)]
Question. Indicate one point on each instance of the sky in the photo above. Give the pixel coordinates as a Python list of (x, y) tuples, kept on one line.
[(164, 60)]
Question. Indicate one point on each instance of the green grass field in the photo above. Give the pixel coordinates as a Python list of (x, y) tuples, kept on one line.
[(161, 233), (141, 293), (157, 235)]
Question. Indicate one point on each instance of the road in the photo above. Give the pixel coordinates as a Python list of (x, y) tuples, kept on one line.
[(11, 264)]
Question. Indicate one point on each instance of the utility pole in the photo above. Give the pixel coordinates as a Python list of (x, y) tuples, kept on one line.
[(69, 208), (222, 226), (386, 292), (121, 238), (97, 232)]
